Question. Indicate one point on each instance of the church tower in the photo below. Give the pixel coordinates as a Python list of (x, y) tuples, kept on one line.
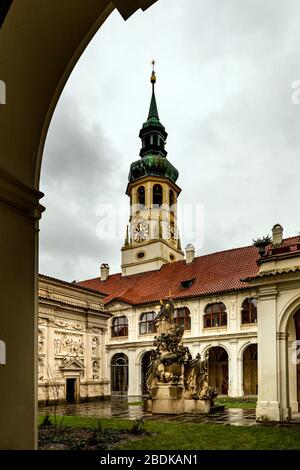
[(152, 235)]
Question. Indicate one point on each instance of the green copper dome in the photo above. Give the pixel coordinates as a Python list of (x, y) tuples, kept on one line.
[(153, 154), (152, 165)]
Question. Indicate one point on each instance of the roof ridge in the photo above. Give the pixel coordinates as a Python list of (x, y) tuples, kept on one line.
[(71, 284)]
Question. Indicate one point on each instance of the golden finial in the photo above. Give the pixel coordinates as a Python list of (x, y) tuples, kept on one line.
[(153, 76)]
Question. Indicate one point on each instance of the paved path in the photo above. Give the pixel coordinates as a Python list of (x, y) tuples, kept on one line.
[(119, 408)]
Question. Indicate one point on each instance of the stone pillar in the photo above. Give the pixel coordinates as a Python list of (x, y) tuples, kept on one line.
[(240, 378), (233, 369), (148, 195), (88, 354), (195, 320), (19, 214), (50, 364), (132, 326), (267, 364), (283, 373), (133, 386)]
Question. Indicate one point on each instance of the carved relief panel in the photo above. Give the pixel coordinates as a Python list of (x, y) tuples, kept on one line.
[(68, 344)]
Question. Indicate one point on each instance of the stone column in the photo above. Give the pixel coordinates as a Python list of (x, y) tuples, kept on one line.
[(50, 364), (133, 386), (267, 364), (19, 214), (88, 354), (195, 319), (283, 373), (240, 378), (233, 369)]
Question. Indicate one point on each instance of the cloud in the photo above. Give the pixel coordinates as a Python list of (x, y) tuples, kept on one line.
[(78, 174), (225, 71)]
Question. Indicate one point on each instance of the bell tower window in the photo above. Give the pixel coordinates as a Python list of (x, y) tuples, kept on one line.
[(171, 198), (157, 195), (141, 196)]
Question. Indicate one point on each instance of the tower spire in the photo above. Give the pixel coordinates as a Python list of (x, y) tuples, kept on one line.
[(153, 112)]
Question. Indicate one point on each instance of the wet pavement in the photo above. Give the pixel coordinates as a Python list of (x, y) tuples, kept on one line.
[(121, 408)]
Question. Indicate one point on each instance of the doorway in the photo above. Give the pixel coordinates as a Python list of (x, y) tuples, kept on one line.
[(218, 369), (250, 370), (119, 373), (71, 390)]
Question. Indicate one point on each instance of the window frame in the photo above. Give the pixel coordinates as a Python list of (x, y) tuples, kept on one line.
[(218, 319), (118, 324), (250, 311), (149, 323), (141, 189), (156, 204), (187, 323)]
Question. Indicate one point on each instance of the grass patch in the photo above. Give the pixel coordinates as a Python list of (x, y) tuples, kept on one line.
[(163, 435), (244, 403), (135, 403)]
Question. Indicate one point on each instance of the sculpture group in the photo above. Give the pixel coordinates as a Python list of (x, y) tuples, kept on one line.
[(176, 382)]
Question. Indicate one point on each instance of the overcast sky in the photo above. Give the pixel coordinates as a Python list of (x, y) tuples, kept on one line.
[(225, 71)]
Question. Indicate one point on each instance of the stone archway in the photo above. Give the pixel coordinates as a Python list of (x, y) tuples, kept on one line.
[(250, 382), (218, 369), (46, 54)]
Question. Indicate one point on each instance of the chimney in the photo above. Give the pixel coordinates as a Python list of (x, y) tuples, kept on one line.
[(277, 232), (104, 271), (189, 253)]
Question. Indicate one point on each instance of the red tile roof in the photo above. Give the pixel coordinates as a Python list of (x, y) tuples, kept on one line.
[(213, 274)]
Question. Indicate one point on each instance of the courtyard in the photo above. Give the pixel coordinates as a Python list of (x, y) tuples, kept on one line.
[(121, 424)]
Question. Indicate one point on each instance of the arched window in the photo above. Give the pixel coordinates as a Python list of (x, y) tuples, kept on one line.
[(119, 373), (119, 327), (182, 317), (171, 198), (249, 311), (147, 323), (141, 195), (215, 315), (157, 195)]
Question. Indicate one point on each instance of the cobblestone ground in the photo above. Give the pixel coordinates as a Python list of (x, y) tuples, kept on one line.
[(119, 408)]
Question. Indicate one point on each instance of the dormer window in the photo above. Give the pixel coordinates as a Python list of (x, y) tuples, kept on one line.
[(187, 283)]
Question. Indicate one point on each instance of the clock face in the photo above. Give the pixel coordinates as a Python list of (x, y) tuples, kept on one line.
[(140, 232)]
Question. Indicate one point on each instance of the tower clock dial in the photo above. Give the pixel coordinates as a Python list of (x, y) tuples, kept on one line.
[(140, 231)]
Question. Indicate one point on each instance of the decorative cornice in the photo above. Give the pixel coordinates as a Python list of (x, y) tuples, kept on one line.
[(20, 197), (274, 272), (192, 339)]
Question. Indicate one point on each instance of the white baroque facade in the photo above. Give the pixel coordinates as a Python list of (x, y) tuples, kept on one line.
[(242, 306), (233, 339), (71, 342)]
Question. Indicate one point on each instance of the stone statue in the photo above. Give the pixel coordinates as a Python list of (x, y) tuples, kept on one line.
[(169, 356), (196, 379), (171, 363)]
